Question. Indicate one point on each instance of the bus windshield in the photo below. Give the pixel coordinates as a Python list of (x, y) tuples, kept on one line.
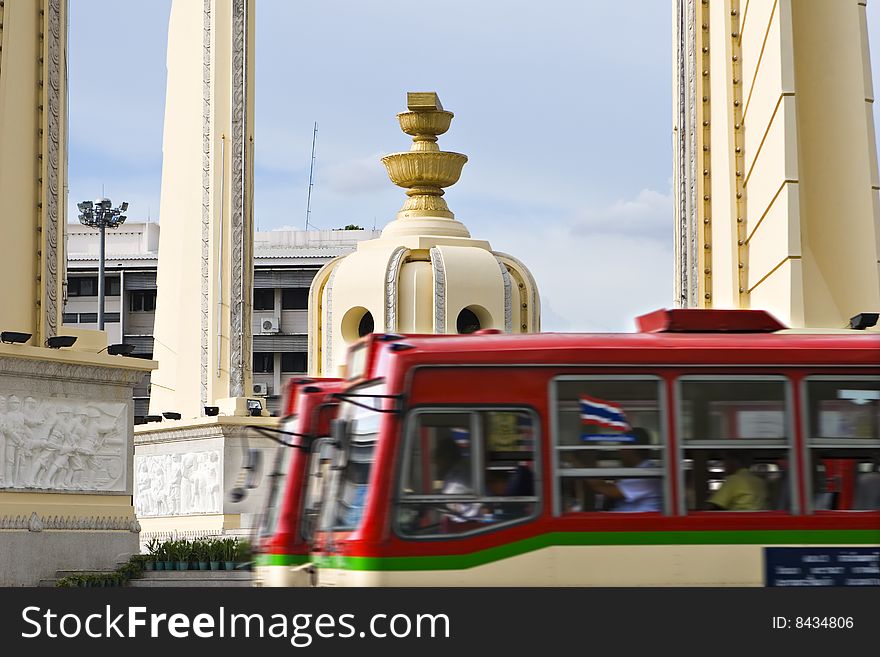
[(348, 485), (277, 479)]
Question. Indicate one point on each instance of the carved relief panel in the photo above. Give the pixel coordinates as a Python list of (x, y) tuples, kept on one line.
[(178, 484), (62, 443)]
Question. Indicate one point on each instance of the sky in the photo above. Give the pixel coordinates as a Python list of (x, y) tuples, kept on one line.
[(563, 107)]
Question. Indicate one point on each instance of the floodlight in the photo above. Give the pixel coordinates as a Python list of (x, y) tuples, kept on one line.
[(58, 341), (121, 349), (14, 337), (863, 320)]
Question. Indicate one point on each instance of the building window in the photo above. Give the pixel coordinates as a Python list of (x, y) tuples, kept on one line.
[(111, 285), (69, 318), (735, 437), (142, 301), (264, 299), (82, 286), (467, 471), (264, 362), (111, 317), (88, 318), (844, 439), (295, 298), (610, 444), (294, 361)]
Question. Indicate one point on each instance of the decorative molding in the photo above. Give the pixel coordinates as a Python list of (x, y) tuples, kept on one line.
[(190, 433), (178, 484), (328, 325), (533, 298), (239, 201), (37, 523), (439, 290), (508, 301), (54, 139), (392, 273), (63, 444), (207, 167), (37, 368), (685, 160)]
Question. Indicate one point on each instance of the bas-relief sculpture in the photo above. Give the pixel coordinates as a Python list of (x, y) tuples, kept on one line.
[(177, 484), (62, 444)]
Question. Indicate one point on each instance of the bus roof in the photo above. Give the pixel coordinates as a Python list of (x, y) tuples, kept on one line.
[(659, 349)]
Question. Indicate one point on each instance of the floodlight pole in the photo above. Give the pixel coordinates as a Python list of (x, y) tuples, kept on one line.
[(101, 279), (99, 214)]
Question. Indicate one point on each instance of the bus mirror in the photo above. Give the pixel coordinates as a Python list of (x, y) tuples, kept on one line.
[(254, 468)]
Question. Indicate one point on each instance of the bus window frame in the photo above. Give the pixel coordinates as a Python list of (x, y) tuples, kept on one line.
[(317, 445), (663, 445), (409, 420), (277, 489), (807, 445), (789, 446)]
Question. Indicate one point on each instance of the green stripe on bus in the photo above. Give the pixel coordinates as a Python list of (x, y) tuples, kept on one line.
[(280, 559), (462, 561)]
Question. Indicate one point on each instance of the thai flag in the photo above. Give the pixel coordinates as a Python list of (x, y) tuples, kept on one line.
[(601, 413)]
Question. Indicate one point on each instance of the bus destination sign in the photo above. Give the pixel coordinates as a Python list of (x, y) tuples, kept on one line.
[(821, 566)]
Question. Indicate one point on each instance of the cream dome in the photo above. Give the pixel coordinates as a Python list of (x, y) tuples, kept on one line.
[(425, 274)]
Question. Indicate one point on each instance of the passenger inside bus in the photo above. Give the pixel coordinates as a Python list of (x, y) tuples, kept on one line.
[(742, 490), (455, 476), (633, 494)]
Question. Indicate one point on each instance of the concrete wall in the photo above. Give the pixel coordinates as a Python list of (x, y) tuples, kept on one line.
[(27, 557)]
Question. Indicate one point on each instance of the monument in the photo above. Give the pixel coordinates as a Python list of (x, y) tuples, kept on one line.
[(776, 180), (425, 273), (66, 409), (187, 461)]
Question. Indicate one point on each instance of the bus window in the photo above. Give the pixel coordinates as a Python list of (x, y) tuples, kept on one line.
[(609, 444), (466, 471), (735, 437), (347, 486), (844, 438)]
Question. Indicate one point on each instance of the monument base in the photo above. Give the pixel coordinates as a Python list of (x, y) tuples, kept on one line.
[(185, 471), (66, 421)]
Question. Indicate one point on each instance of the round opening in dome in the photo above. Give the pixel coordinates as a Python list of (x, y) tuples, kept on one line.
[(467, 321), (356, 323), (365, 327)]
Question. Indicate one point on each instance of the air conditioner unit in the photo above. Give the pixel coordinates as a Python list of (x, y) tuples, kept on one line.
[(261, 389), (269, 325)]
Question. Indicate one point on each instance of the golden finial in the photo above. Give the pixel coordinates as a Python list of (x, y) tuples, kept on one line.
[(424, 170)]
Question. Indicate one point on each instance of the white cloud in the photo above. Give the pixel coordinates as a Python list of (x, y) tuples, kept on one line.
[(362, 175), (603, 269), (648, 215)]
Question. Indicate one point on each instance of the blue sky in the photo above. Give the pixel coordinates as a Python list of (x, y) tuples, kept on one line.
[(563, 108)]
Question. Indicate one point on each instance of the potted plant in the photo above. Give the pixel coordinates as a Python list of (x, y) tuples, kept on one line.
[(171, 552), (229, 553), (184, 549), (152, 554), (215, 554), (199, 555)]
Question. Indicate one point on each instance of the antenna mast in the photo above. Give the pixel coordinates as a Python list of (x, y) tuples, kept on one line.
[(311, 173)]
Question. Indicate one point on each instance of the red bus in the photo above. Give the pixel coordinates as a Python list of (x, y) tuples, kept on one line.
[(709, 448), (292, 501)]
